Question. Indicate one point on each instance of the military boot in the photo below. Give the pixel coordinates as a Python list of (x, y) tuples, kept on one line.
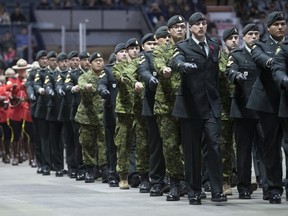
[(145, 184), (90, 174), (173, 194), (123, 184)]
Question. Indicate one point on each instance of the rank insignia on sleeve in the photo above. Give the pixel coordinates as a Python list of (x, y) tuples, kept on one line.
[(102, 75)]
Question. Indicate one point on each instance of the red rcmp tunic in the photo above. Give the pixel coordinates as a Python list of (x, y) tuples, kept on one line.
[(17, 96)]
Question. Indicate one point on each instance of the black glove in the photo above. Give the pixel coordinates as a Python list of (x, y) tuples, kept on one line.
[(270, 62), (32, 97), (240, 77), (153, 83), (105, 94), (189, 67), (285, 82), (61, 92)]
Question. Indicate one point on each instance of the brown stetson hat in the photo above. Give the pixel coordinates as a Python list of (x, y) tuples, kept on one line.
[(21, 64)]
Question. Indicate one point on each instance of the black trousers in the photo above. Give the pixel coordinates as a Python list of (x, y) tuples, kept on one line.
[(157, 162), (71, 158), (272, 129), (45, 144), (37, 141), (246, 133), (191, 135), (57, 157), (285, 144)]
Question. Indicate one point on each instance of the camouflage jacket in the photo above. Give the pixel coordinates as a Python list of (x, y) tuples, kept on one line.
[(167, 87), (226, 88), (90, 109), (127, 101)]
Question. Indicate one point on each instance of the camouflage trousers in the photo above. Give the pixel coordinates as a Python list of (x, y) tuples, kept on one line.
[(170, 133), (92, 139), (126, 127), (142, 148), (227, 149)]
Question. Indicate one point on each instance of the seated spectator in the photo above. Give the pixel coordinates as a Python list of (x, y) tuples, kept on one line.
[(9, 56), (44, 5), (154, 13), (6, 41), (17, 16), (22, 43), (4, 16)]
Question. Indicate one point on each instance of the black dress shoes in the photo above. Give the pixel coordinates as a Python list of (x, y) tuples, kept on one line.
[(113, 183), (195, 200), (156, 190), (80, 177), (275, 199), (45, 172), (173, 194), (73, 174), (90, 177), (207, 186), (59, 173), (245, 195), (144, 187), (39, 170), (203, 195), (219, 197)]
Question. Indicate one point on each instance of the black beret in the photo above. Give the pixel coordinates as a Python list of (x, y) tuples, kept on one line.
[(147, 37), (275, 16), (161, 32), (250, 27), (52, 54), (73, 54), (84, 55), (61, 56), (132, 42), (112, 58), (175, 19), (94, 56), (41, 54), (229, 32), (196, 17), (119, 47)]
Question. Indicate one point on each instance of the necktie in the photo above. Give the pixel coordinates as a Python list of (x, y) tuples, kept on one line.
[(202, 45)]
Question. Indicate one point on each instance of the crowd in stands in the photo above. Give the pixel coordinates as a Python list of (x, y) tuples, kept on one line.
[(14, 44)]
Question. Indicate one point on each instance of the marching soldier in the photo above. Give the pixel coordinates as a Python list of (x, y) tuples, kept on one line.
[(198, 107), (90, 117), (265, 99), (165, 96), (242, 72)]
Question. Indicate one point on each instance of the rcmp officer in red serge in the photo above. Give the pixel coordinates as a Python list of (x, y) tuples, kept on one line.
[(18, 94), (198, 107)]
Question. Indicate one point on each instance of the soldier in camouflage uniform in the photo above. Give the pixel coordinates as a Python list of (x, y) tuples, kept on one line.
[(231, 40), (127, 107), (164, 102), (90, 117)]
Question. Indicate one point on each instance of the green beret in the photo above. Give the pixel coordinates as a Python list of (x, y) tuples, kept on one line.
[(229, 32), (72, 54), (174, 20), (275, 16), (112, 58), (52, 54), (94, 56), (61, 56), (147, 37), (132, 42), (161, 32), (196, 17), (84, 55), (119, 47), (250, 27), (41, 54)]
